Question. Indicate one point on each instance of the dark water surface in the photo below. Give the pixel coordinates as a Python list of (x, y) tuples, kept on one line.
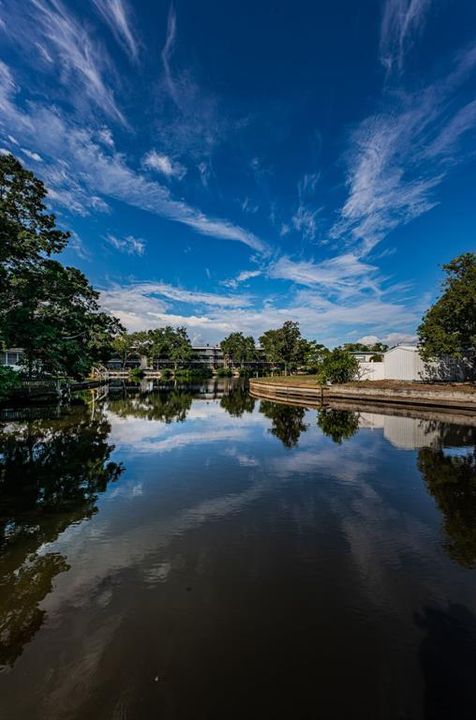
[(170, 556)]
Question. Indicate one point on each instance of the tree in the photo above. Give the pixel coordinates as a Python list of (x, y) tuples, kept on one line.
[(49, 310), (339, 425), (287, 421), (238, 349), (169, 343), (27, 231), (314, 354), (52, 473), (449, 326), (338, 366), (284, 345), (451, 479), (55, 317)]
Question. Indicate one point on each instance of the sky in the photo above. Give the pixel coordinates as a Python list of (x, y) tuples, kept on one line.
[(230, 166)]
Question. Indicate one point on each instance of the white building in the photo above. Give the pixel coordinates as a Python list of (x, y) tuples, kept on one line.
[(404, 362)]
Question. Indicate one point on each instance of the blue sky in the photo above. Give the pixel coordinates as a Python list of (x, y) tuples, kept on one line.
[(229, 166)]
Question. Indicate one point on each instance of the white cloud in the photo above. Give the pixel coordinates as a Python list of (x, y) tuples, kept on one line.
[(402, 21), (146, 305), (400, 156), (163, 164), (243, 276), (304, 221), (32, 155), (87, 168), (344, 274), (117, 15), (129, 245), (77, 55), (394, 338)]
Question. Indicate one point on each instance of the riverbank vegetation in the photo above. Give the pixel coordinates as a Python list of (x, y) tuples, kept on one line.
[(48, 310)]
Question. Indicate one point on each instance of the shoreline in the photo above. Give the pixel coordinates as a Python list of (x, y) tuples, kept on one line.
[(314, 395)]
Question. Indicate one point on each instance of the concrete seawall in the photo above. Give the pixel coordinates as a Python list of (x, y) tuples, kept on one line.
[(313, 395)]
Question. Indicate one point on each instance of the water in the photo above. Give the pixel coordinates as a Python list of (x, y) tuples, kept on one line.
[(170, 556)]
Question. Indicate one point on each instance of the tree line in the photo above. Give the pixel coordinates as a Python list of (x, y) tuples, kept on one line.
[(53, 314)]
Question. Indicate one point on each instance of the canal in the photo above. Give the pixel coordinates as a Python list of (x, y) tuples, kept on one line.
[(200, 554)]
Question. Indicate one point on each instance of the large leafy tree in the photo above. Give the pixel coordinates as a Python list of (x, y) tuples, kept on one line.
[(285, 345), (238, 349), (170, 343), (55, 317), (449, 326), (27, 230), (49, 310)]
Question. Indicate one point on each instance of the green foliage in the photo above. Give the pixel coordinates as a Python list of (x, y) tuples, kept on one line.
[(237, 401), (287, 421), (449, 326), (9, 381), (338, 366), (188, 375), (377, 347), (245, 372), (169, 343), (285, 345), (52, 472), (49, 310), (339, 425), (452, 482), (314, 354), (223, 372), (238, 349), (136, 374), (376, 358), (165, 374), (55, 317), (169, 406)]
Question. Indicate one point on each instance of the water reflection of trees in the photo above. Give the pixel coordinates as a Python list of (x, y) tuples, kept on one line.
[(339, 425), (237, 400), (167, 406), (51, 473), (451, 479), (287, 421)]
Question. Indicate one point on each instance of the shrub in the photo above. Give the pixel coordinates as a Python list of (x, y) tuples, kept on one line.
[(223, 372), (339, 366), (9, 381)]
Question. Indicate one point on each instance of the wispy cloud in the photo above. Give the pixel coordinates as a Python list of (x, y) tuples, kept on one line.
[(129, 245), (32, 155), (242, 277), (402, 21), (192, 120), (164, 165), (78, 56), (117, 15), (397, 158), (88, 168), (343, 275)]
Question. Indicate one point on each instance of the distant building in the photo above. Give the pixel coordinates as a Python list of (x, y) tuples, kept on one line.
[(11, 358)]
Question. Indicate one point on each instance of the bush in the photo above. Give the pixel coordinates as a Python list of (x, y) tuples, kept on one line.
[(193, 375), (339, 366), (165, 374), (136, 374), (9, 381), (245, 373), (223, 372)]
